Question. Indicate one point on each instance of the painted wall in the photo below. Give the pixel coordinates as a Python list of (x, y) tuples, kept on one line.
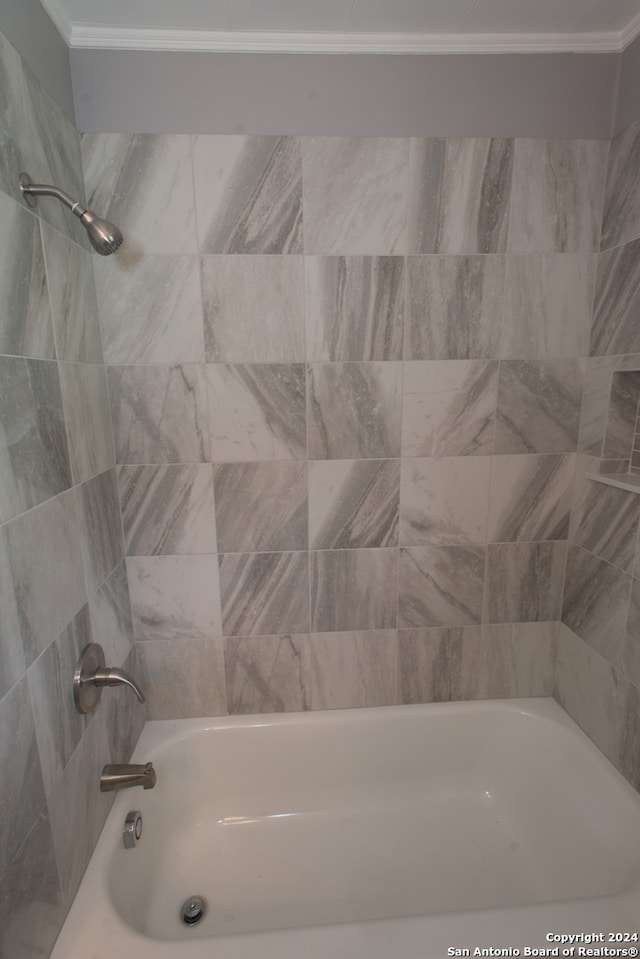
[(31, 31), (346, 378), (598, 675), (546, 95), (62, 579), (628, 96)]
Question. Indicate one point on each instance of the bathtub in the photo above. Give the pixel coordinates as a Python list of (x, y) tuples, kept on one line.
[(395, 833)]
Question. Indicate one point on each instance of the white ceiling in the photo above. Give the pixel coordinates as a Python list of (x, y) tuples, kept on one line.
[(385, 26)]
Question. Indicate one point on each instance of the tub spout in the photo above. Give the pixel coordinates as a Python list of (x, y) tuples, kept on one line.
[(117, 677), (125, 776)]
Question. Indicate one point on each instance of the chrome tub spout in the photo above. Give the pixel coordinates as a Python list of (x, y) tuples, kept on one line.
[(125, 776)]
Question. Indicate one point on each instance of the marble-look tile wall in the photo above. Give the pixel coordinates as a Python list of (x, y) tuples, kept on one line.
[(345, 379), (598, 675), (63, 581)]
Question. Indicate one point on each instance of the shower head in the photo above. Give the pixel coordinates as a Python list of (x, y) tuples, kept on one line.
[(104, 237)]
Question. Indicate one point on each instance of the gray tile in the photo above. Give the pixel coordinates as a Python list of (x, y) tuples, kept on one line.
[(355, 195), (183, 678), (261, 506), (122, 714), (47, 579), (460, 195), (111, 620), (264, 593), (354, 589), (449, 408), (621, 218), (524, 582), (606, 523), (25, 317), (77, 808), (454, 307), (475, 662), (354, 410), (596, 600), (622, 402), (257, 412), (248, 194), (586, 686), (354, 307), (144, 184), (353, 504), (631, 642), (445, 501), (266, 674), (253, 308), (51, 155), (13, 123), (23, 796), (167, 509), (159, 413), (86, 411), (31, 907), (72, 293), (441, 586), (101, 527), (174, 597), (547, 305), (538, 406), (34, 456), (595, 404), (150, 308), (530, 497), (36, 135), (351, 669), (12, 660), (614, 327), (59, 727), (627, 727), (558, 186)]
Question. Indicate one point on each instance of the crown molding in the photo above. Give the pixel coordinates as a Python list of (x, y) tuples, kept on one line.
[(84, 36)]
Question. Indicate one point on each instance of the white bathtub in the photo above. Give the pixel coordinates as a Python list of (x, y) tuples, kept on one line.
[(393, 833)]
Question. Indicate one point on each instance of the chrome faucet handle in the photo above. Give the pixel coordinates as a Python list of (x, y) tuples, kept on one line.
[(92, 675)]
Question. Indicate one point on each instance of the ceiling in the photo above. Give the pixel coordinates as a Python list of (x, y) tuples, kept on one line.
[(334, 26)]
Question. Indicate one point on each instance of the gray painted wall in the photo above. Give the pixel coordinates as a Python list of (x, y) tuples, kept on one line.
[(628, 99), (552, 95), (29, 28)]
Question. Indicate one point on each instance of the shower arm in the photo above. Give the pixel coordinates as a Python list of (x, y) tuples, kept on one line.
[(105, 237), (43, 189)]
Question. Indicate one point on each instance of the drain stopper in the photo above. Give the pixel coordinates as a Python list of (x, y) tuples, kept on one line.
[(193, 909)]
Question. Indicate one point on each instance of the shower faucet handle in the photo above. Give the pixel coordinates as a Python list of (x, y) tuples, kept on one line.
[(91, 676), (117, 677)]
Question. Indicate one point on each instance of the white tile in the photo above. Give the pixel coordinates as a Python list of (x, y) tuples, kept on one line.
[(355, 195), (444, 502), (174, 597)]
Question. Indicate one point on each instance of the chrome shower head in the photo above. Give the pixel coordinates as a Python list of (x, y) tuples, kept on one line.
[(105, 237)]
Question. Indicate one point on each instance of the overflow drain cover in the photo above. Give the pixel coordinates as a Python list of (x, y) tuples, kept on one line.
[(193, 909)]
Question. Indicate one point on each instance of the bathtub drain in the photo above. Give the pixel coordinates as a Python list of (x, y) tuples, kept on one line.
[(193, 909)]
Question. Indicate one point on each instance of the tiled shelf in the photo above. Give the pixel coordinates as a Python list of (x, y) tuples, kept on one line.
[(626, 481)]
